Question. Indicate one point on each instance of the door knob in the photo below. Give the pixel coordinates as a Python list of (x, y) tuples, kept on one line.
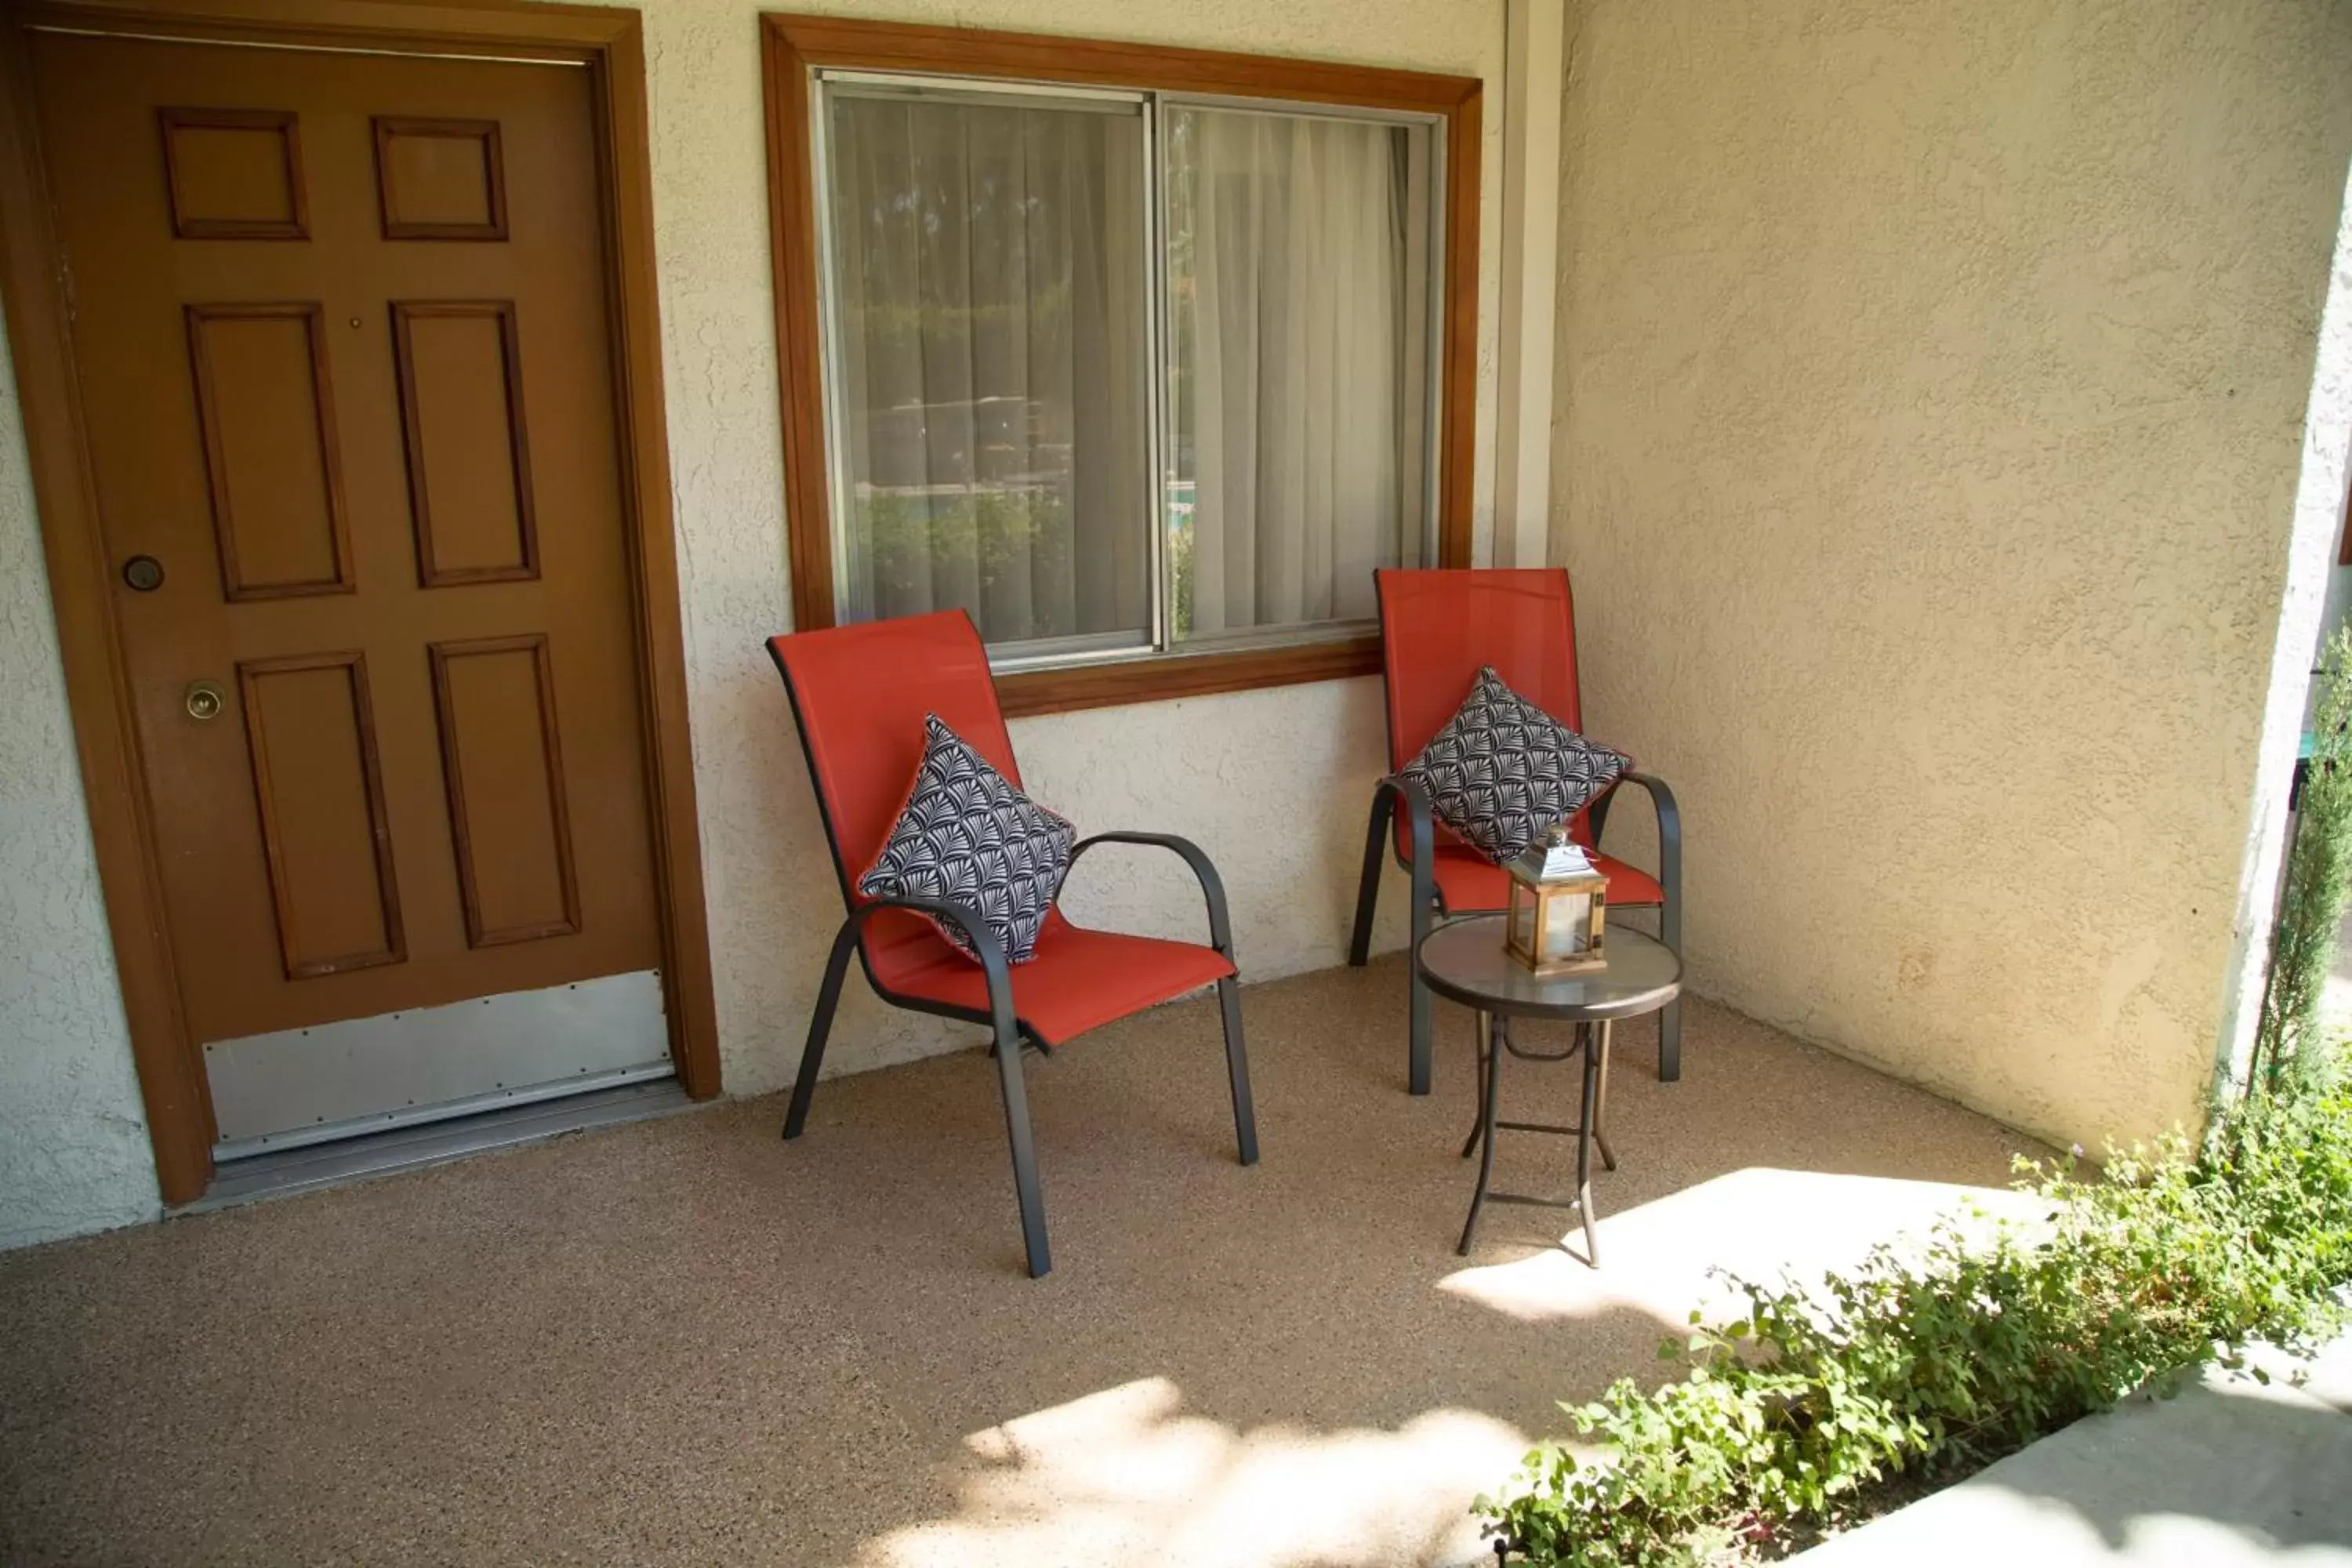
[(145, 573), (205, 699)]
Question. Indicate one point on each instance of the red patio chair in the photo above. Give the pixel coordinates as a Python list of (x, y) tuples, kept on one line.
[(1437, 627), (859, 694)]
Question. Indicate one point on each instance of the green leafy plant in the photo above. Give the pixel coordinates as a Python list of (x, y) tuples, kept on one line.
[(1807, 1411), (995, 533), (2319, 879)]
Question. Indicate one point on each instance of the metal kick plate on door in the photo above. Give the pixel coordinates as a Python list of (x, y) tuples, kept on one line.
[(364, 1074)]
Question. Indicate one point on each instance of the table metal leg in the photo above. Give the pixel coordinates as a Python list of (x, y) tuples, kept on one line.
[(1483, 1027), (1593, 1049), (1497, 1032)]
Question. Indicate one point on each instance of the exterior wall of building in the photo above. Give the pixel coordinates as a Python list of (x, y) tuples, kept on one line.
[(73, 1140), (1273, 783), (1930, 400), (1931, 388)]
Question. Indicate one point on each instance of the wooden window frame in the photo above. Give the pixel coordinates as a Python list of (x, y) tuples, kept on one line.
[(609, 43), (794, 47)]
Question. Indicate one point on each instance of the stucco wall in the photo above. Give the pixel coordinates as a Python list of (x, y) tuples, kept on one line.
[(1271, 782), (1931, 385), (73, 1142)]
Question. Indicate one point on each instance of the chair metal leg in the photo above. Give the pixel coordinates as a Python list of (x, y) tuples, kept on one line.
[(1367, 893), (1592, 1058), (1005, 1037), (1229, 1003), (828, 997), (1600, 1108), (1670, 905), (1670, 931), (1025, 1155), (1385, 799), (1419, 1024)]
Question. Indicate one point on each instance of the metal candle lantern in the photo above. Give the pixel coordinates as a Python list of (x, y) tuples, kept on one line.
[(1558, 902)]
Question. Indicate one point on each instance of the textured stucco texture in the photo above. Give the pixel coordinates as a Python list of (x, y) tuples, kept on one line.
[(73, 1142), (1931, 383), (1273, 783)]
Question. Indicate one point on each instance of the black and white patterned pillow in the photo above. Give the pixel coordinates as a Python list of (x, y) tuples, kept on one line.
[(1503, 773), (968, 836)]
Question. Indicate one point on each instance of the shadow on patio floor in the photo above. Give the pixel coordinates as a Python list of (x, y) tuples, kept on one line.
[(684, 1340)]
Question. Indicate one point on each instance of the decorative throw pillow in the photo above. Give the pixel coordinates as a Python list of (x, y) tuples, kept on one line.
[(968, 836), (1503, 773)]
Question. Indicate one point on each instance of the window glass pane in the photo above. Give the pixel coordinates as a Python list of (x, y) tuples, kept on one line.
[(989, 335), (1299, 401)]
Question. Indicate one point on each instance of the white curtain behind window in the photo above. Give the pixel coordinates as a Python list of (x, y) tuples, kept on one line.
[(1299, 288), (990, 332)]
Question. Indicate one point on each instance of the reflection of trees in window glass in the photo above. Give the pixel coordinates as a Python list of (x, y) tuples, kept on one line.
[(1000, 530), (989, 340)]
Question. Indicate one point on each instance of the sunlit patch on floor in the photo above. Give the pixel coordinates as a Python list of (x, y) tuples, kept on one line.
[(1672, 1253), (1126, 1475)]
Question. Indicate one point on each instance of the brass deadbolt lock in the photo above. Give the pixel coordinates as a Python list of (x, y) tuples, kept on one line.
[(204, 700)]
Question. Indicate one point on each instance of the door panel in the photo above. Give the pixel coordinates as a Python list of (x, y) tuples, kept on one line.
[(460, 372), (234, 173), (266, 404), (441, 179), (325, 307), (507, 809), (311, 738)]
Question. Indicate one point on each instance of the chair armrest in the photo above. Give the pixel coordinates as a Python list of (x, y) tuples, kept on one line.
[(1420, 820), (1670, 828), (1378, 844), (968, 920), (1212, 886)]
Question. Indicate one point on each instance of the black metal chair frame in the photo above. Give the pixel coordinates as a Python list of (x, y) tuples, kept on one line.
[(1428, 906), (1009, 1033)]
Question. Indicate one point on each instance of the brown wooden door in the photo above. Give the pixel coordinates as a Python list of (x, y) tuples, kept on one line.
[(341, 326)]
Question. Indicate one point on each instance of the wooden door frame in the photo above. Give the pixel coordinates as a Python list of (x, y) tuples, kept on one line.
[(610, 43)]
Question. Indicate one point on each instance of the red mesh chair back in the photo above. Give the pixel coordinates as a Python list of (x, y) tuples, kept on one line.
[(859, 694), (1437, 627)]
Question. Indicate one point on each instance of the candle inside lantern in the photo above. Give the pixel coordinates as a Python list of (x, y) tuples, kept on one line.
[(1555, 918), (1564, 929)]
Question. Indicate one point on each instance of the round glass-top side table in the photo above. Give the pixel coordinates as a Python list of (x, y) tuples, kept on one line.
[(1463, 961)]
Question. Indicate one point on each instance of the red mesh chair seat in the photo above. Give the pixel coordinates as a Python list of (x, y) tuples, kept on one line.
[(859, 694), (1078, 980)]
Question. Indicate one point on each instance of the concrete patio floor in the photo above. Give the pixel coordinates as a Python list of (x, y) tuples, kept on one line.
[(685, 1341)]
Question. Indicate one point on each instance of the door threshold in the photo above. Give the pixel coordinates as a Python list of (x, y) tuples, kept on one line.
[(286, 1172)]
